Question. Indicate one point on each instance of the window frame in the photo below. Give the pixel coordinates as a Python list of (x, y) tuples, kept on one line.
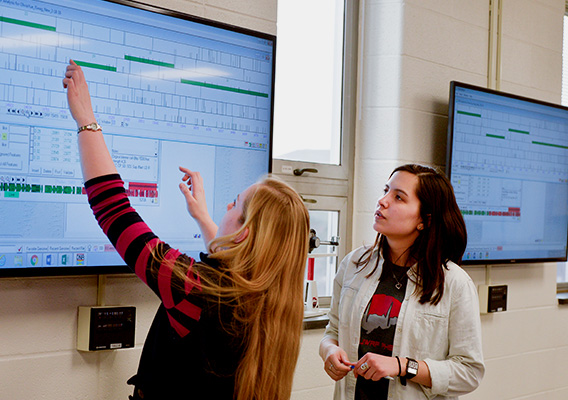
[(332, 186), (562, 287), (343, 171)]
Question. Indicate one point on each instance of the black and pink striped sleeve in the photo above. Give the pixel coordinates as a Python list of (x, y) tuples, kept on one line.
[(136, 243)]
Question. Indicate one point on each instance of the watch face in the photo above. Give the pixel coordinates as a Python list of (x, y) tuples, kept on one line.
[(412, 366)]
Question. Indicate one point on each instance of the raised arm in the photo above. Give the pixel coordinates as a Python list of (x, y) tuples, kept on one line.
[(95, 157)]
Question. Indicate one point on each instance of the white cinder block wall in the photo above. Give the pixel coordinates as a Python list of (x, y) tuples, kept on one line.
[(410, 51)]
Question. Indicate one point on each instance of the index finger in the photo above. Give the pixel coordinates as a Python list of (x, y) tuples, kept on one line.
[(73, 66), (188, 172), (74, 72)]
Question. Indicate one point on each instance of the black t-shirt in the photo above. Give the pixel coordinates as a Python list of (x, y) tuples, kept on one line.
[(378, 326)]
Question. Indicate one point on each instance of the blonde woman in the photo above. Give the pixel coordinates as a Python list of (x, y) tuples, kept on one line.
[(229, 325)]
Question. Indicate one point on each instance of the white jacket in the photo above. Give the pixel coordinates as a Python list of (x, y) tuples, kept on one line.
[(446, 336)]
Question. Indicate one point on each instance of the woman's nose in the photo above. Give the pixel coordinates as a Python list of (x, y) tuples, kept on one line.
[(383, 202), (230, 206)]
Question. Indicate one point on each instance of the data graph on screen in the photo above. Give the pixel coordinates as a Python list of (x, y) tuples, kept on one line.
[(509, 170), (169, 90)]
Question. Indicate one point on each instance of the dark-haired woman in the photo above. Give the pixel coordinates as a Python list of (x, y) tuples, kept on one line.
[(404, 316)]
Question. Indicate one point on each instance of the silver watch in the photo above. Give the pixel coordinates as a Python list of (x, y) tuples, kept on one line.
[(91, 127)]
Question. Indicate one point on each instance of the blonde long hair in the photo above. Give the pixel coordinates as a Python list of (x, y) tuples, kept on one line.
[(261, 279)]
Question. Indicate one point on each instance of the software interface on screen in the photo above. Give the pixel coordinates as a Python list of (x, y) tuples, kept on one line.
[(510, 175), (168, 92)]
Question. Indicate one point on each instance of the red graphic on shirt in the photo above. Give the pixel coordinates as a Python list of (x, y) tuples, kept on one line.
[(383, 313)]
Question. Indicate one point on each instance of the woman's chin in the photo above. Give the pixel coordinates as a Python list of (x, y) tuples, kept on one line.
[(377, 227)]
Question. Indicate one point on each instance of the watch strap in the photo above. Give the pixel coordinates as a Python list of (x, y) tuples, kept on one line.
[(411, 370)]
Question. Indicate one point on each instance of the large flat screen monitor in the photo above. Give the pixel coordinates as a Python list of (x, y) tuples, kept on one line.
[(508, 163), (168, 89)]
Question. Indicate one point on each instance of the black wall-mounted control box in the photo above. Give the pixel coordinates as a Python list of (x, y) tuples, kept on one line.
[(106, 328), (492, 298)]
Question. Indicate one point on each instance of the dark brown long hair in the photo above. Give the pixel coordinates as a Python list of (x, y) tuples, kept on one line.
[(443, 238)]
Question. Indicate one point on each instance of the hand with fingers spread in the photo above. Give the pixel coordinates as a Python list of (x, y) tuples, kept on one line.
[(192, 189), (374, 367)]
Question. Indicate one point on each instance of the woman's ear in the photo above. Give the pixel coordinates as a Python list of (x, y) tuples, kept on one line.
[(241, 236)]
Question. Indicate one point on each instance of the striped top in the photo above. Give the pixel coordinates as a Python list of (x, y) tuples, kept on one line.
[(135, 243), (187, 353)]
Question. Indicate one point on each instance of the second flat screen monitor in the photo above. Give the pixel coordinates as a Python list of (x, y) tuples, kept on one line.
[(508, 163)]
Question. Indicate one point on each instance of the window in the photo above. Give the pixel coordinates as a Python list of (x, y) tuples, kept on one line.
[(314, 124), (307, 113)]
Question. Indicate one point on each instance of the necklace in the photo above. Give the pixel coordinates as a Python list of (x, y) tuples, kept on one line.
[(399, 283)]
